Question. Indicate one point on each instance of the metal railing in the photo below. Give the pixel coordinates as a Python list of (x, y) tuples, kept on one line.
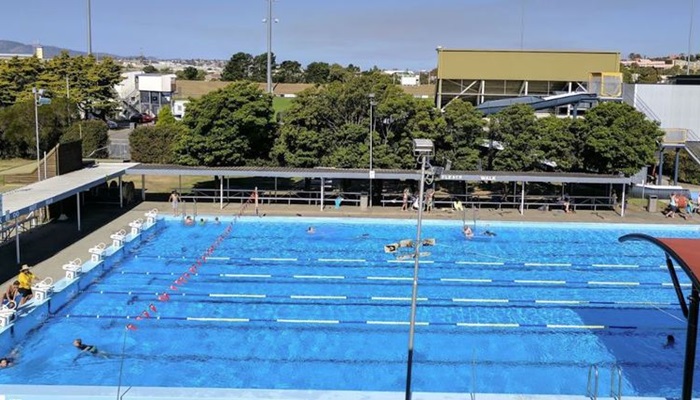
[(616, 372), (514, 201), (592, 385), (289, 197)]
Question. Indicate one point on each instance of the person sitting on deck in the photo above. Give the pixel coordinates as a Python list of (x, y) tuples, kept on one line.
[(11, 294)]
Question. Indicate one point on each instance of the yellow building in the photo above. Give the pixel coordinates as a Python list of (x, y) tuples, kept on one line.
[(481, 75)]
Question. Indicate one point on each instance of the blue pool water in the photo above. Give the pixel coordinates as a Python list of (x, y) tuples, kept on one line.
[(527, 311)]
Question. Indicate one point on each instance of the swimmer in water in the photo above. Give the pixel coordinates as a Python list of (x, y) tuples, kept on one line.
[(311, 230)]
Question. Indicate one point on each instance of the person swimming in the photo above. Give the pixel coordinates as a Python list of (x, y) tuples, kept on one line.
[(311, 230), (87, 349), (670, 342), (468, 233)]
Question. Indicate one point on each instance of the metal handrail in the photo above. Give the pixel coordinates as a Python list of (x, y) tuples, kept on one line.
[(592, 393), (616, 369), (473, 391)]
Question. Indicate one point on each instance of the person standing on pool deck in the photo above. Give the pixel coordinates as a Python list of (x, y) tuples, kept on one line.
[(174, 201), (25, 280)]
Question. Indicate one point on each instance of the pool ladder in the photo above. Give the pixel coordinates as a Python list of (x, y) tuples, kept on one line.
[(592, 385), (616, 375), (194, 207), (615, 382)]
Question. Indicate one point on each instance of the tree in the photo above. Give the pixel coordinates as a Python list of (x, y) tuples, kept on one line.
[(149, 69), (17, 77), (191, 74), (556, 142), (228, 127), (258, 70), (238, 67), (94, 135), (464, 128), (17, 127), (154, 144), (289, 72), (166, 118), (619, 139), (515, 128), (317, 72)]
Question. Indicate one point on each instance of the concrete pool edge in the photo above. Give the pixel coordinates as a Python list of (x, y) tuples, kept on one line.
[(41, 392)]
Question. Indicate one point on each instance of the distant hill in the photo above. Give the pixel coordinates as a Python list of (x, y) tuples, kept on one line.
[(8, 46)]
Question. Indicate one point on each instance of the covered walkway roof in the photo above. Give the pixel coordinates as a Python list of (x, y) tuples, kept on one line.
[(36, 195), (343, 173)]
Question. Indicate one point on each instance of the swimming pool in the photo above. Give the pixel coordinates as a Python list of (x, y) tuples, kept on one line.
[(527, 311)]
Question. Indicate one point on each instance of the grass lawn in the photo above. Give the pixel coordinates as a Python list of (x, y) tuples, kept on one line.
[(280, 104), (14, 163)]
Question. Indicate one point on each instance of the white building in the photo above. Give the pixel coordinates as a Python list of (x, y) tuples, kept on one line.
[(404, 77), (179, 107), (145, 93)]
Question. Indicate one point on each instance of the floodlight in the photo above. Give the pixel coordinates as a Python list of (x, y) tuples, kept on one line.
[(422, 147)]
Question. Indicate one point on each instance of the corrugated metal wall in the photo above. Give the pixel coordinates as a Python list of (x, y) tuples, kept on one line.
[(674, 106)]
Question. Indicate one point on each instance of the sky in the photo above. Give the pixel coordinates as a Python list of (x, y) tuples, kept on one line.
[(400, 34)]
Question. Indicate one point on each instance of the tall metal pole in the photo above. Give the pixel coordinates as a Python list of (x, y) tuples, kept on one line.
[(414, 293), (36, 129), (89, 29), (269, 46), (522, 24), (690, 35), (371, 134), (690, 345)]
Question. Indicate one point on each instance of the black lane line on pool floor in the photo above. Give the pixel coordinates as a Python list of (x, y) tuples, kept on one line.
[(518, 282), (553, 326), (390, 300)]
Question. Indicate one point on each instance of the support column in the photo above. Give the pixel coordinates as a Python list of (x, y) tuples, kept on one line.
[(522, 199), (121, 194), (323, 189), (661, 167), (179, 184), (143, 187), (77, 202), (17, 239), (221, 192), (690, 346), (675, 166), (622, 205), (439, 94)]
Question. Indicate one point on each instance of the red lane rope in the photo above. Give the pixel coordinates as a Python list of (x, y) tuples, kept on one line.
[(191, 271)]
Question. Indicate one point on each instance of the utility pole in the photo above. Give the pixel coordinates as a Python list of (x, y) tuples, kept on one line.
[(89, 29), (269, 46)]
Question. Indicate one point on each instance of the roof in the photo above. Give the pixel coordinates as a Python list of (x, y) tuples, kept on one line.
[(31, 197), (685, 251), (346, 173)]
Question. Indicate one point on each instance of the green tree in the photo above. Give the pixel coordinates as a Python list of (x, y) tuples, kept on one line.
[(93, 134), (258, 68), (228, 127), (166, 118), (289, 72), (191, 74), (317, 72), (618, 139), (238, 67), (17, 127), (464, 129), (556, 142), (155, 144), (149, 69), (515, 128), (17, 77)]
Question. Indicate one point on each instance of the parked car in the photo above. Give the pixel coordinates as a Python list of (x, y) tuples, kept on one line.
[(112, 125), (141, 118)]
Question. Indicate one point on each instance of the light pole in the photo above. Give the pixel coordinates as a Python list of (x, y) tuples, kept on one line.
[(38, 100), (269, 21), (372, 103), (423, 149), (89, 29)]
